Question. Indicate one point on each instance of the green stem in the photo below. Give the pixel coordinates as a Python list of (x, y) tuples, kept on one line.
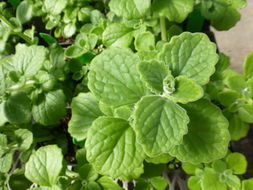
[(163, 28), (20, 34), (28, 83)]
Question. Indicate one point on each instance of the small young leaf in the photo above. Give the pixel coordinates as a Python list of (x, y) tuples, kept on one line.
[(186, 90), (49, 108), (248, 66), (247, 184), (161, 159), (190, 168), (208, 136), (237, 83), (108, 141), (153, 73), (160, 124), (159, 183), (122, 84), (194, 183), (55, 7), (237, 128), (211, 181), (145, 42), (44, 165), (237, 162), (192, 55), (87, 172), (228, 97), (85, 110), (24, 139), (246, 113), (17, 108), (108, 184), (24, 12), (117, 35), (5, 161)]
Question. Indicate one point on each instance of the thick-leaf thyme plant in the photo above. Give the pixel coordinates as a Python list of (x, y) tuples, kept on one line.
[(121, 94)]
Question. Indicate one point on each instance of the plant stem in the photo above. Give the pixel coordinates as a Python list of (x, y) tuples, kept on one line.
[(28, 83), (20, 34), (163, 28)]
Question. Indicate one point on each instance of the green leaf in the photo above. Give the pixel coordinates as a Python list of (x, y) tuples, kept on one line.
[(74, 51), (228, 97), (123, 112), (44, 165), (153, 73), (106, 109), (208, 136), (248, 66), (233, 181), (237, 83), (54, 7), (219, 166), (174, 10), (194, 183), (117, 35), (145, 42), (24, 139), (49, 108), (69, 30), (85, 110), (211, 181), (87, 172), (192, 55), (160, 124), (17, 108), (5, 161), (186, 90), (159, 183), (227, 20), (246, 113), (122, 84), (237, 162), (29, 60), (108, 184), (161, 159), (24, 12), (237, 128), (18, 181), (131, 9), (190, 168), (247, 184), (112, 149), (48, 38)]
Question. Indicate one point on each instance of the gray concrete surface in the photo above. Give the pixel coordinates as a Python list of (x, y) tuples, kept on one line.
[(238, 41)]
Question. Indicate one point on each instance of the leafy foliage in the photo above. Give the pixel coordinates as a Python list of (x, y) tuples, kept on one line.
[(101, 95)]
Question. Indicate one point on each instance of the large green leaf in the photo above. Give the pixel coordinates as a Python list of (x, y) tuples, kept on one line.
[(174, 10), (44, 165), (29, 60), (130, 9), (113, 150), (49, 108), (85, 110), (192, 55), (153, 73), (117, 35), (160, 124), (17, 108), (186, 90), (114, 79), (208, 134)]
